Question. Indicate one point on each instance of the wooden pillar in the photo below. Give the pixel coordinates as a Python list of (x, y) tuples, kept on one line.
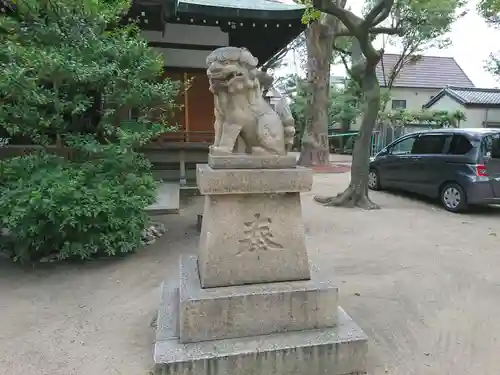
[(186, 108), (182, 153), (182, 167)]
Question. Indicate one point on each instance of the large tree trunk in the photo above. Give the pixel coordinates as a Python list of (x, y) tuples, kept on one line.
[(356, 194), (315, 148)]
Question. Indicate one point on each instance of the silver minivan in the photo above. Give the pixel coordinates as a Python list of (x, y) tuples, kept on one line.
[(461, 167)]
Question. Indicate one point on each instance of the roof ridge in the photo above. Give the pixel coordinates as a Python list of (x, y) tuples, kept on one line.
[(439, 57), (485, 89), (454, 93)]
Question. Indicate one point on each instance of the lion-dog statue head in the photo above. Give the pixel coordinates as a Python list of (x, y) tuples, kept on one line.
[(232, 69)]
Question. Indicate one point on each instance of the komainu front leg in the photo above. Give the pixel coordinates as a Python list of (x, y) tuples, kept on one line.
[(227, 142), (217, 128)]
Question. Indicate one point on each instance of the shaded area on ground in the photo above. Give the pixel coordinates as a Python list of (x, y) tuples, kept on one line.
[(423, 283), (332, 168)]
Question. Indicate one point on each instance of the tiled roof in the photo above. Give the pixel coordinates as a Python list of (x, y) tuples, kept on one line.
[(265, 5), (469, 96), (426, 72)]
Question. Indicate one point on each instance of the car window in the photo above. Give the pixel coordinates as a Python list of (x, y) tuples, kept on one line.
[(459, 145), (402, 147), (490, 146), (430, 144)]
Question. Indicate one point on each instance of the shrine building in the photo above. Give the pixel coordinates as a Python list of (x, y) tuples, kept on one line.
[(185, 32)]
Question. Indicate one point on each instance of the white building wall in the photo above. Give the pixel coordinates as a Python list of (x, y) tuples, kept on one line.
[(194, 35), (475, 117), (415, 98)]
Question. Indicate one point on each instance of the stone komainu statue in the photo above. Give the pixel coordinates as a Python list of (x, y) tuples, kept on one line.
[(244, 121)]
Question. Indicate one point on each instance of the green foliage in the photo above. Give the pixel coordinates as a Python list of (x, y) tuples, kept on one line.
[(493, 65), (58, 66), (295, 88), (74, 210), (490, 11), (310, 14), (425, 24), (439, 118), (343, 105), (69, 75)]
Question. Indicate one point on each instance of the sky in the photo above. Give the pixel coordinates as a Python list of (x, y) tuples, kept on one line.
[(472, 42)]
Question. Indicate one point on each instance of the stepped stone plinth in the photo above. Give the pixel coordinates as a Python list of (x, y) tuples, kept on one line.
[(247, 302)]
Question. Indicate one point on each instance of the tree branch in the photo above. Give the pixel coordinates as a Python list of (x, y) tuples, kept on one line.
[(375, 12), (346, 64), (357, 27), (382, 16), (341, 50), (349, 19), (373, 31), (343, 32), (332, 22), (386, 30), (343, 53)]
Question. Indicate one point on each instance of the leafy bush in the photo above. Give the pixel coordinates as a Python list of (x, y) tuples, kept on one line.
[(52, 206), (70, 78)]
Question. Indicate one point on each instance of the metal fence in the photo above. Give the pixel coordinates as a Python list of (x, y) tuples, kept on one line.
[(385, 134)]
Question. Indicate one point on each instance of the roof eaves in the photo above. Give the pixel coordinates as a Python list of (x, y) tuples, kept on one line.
[(226, 8), (446, 91), (431, 102), (483, 105)]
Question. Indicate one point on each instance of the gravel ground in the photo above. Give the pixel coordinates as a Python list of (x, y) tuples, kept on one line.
[(421, 282)]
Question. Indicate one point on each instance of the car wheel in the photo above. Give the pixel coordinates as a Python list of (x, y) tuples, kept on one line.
[(373, 180), (453, 198)]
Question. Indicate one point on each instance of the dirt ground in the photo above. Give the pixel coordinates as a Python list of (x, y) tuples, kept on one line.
[(423, 284)]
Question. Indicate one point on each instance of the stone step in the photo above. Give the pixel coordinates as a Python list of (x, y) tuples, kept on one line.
[(167, 201), (339, 350), (253, 309)]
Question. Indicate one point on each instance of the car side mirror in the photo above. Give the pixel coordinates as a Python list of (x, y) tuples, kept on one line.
[(383, 152)]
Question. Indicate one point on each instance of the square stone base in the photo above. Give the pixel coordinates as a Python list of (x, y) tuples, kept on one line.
[(253, 238), (239, 161), (251, 310), (340, 350)]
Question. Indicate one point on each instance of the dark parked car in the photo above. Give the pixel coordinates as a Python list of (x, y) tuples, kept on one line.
[(461, 167)]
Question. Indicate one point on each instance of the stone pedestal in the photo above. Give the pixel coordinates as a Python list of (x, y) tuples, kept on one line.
[(247, 304), (252, 228)]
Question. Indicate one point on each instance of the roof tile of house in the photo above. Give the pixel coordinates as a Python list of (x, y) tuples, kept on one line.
[(469, 96), (427, 72)]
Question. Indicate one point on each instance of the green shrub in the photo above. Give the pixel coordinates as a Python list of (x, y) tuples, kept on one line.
[(51, 206), (74, 78)]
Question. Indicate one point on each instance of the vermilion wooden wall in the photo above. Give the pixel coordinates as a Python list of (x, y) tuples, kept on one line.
[(196, 117)]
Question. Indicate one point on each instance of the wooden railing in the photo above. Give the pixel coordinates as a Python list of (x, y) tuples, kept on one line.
[(186, 137), (192, 138)]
